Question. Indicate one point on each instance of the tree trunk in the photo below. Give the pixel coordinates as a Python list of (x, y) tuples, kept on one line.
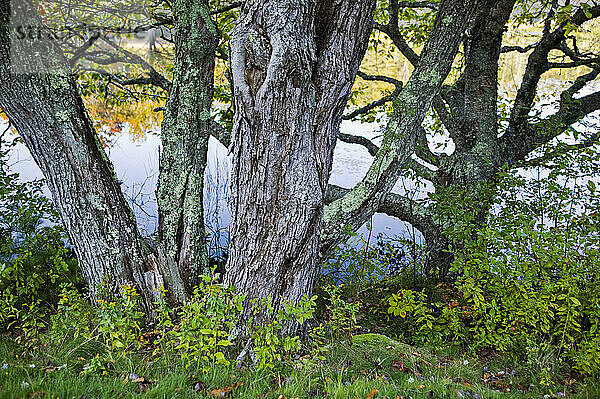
[(40, 97), (410, 108), (470, 172), (293, 64), (185, 131)]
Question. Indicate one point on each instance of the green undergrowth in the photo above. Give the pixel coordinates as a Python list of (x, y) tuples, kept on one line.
[(368, 366)]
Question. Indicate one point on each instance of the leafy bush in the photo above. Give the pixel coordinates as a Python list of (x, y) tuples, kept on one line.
[(34, 258), (207, 320), (527, 279), (119, 320)]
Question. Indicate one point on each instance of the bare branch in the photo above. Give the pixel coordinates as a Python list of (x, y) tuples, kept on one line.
[(560, 150), (380, 78), (394, 205), (365, 142), (419, 4), (230, 7), (155, 77), (394, 34), (422, 149), (373, 105), (519, 49), (538, 64), (516, 147)]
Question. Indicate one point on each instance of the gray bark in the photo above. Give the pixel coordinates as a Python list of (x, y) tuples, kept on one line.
[(185, 130), (293, 65), (49, 115), (402, 131), (468, 109)]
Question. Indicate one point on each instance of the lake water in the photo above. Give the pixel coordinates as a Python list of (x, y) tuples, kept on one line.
[(136, 165)]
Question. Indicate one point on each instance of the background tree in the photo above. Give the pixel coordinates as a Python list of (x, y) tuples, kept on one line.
[(468, 111), (53, 122)]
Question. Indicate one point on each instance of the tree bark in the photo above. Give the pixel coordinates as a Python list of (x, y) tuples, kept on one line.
[(185, 131), (293, 65), (43, 103), (401, 133)]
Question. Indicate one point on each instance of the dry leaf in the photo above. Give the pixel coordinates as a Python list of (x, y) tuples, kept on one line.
[(222, 392), (372, 394)]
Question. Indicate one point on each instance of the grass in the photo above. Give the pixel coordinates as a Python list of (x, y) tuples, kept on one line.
[(371, 366)]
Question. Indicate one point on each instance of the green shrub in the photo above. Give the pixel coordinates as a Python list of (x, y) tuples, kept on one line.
[(120, 321), (34, 258), (527, 279), (206, 321)]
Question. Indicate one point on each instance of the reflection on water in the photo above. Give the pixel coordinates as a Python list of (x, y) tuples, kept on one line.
[(135, 158)]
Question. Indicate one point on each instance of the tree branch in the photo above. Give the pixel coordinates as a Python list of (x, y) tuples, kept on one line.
[(561, 149), (365, 142), (538, 64), (517, 147), (419, 4), (422, 149), (519, 49), (156, 78), (371, 106), (379, 78), (230, 7), (393, 204)]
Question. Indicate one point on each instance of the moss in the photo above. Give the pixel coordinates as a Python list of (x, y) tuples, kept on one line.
[(374, 340), (204, 115)]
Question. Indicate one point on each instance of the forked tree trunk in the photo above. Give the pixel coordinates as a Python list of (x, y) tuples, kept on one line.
[(185, 131), (40, 97), (293, 65), (410, 108)]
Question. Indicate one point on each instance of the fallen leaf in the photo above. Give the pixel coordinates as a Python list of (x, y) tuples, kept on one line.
[(416, 353), (143, 386), (222, 392), (372, 394), (49, 370)]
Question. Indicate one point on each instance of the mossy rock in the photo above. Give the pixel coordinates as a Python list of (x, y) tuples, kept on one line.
[(374, 340)]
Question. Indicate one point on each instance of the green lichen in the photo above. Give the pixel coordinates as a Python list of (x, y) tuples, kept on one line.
[(62, 116), (204, 115)]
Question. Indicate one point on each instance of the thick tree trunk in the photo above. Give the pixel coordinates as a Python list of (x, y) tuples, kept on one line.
[(40, 97), (291, 82), (185, 131), (470, 172)]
